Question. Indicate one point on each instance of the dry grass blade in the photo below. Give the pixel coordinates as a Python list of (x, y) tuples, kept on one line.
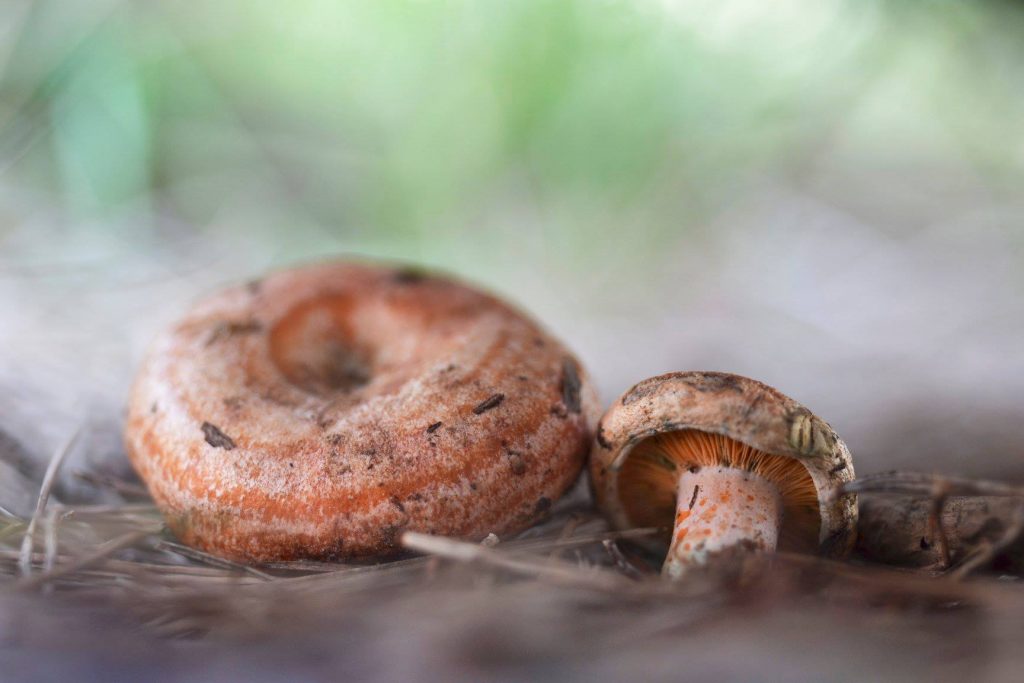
[(52, 520), (101, 553), (25, 561), (621, 561), (554, 570), (212, 560), (115, 509), (564, 542), (115, 484)]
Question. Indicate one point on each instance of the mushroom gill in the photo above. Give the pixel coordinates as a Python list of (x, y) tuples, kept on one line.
[(720, 493)]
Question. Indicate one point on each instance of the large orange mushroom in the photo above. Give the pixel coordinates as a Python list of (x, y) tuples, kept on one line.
[(321, 411)]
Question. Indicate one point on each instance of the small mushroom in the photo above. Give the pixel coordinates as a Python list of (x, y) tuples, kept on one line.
[(726, 462)]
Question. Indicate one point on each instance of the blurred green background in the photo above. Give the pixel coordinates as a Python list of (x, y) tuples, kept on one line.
[(415, 128), (824, 194)]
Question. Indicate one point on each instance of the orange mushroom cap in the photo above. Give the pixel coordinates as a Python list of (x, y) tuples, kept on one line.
[(322, 410)]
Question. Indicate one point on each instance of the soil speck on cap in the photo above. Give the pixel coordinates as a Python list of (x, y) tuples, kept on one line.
[(390, 535), (543, 504), (571, 386), (601, 439), (489, 403), (230, 328), (216, 438), (516, 463), (641, 390), (716, 381), (409, 276), (434, 427)]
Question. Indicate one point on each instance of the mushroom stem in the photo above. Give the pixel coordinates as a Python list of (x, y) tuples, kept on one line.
[(719, 508)]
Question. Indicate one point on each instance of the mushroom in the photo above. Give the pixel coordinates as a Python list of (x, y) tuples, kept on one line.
[(323, 410), (728, 463)]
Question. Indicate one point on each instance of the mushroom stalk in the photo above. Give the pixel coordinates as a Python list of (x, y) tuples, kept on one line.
[(719, 508)]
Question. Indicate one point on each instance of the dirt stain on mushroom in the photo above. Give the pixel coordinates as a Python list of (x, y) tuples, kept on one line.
[(216, 438), (753, 406), (409, 276), (489, 403), (642, 390), (716, 381), (231, 328), (233, 402), (836, 539), (516, 463), (571, 386), (434, 427), (390, 535)]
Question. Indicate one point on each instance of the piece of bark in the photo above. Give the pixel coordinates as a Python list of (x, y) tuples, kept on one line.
[(895, 530)]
